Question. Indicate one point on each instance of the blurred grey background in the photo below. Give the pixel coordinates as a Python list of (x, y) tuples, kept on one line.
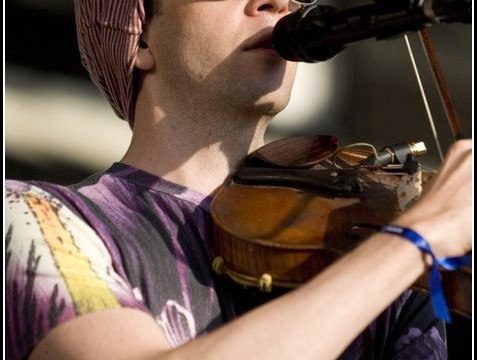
[(59, 128)]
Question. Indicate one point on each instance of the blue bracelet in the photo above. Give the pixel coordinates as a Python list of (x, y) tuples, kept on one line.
[(437, 295)]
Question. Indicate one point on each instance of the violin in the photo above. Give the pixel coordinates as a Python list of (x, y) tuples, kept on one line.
[(299, 204)]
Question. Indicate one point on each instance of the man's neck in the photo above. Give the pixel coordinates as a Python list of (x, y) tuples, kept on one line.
[(198, 153)]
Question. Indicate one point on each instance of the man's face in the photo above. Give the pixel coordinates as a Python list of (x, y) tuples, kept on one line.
[(221, 50)]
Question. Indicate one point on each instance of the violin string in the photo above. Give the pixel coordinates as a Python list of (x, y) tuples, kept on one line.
[(424, 97)]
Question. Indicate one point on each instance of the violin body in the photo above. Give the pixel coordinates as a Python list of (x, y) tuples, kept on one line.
[(279, 226), (290, 233)]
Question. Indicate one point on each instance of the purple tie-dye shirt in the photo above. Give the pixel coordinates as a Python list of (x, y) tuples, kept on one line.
[(126, 238)]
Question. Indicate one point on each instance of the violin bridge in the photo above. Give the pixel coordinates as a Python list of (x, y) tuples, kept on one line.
[(409, 189)]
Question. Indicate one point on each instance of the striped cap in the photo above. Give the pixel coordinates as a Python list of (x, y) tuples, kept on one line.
[(108, 37)]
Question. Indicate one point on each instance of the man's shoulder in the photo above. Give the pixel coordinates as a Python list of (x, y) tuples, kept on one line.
[(32, 188)]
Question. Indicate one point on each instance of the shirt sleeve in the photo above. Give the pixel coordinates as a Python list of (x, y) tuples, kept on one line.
[(56, 268), (418, 334)]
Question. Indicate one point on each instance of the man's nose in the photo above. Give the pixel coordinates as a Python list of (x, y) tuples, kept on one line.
[(257, 7)]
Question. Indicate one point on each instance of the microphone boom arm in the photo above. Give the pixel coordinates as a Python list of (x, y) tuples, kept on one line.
[(318, 33)]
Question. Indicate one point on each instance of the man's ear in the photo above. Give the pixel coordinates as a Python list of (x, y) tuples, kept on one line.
[(144, 59)]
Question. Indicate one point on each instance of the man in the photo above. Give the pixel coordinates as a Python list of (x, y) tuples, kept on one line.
[(119, 266)]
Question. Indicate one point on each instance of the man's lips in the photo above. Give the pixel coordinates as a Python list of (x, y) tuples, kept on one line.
[(263, 43)]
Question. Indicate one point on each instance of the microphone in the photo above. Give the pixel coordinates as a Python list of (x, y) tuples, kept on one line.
[(395, 154), (318, 33)]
